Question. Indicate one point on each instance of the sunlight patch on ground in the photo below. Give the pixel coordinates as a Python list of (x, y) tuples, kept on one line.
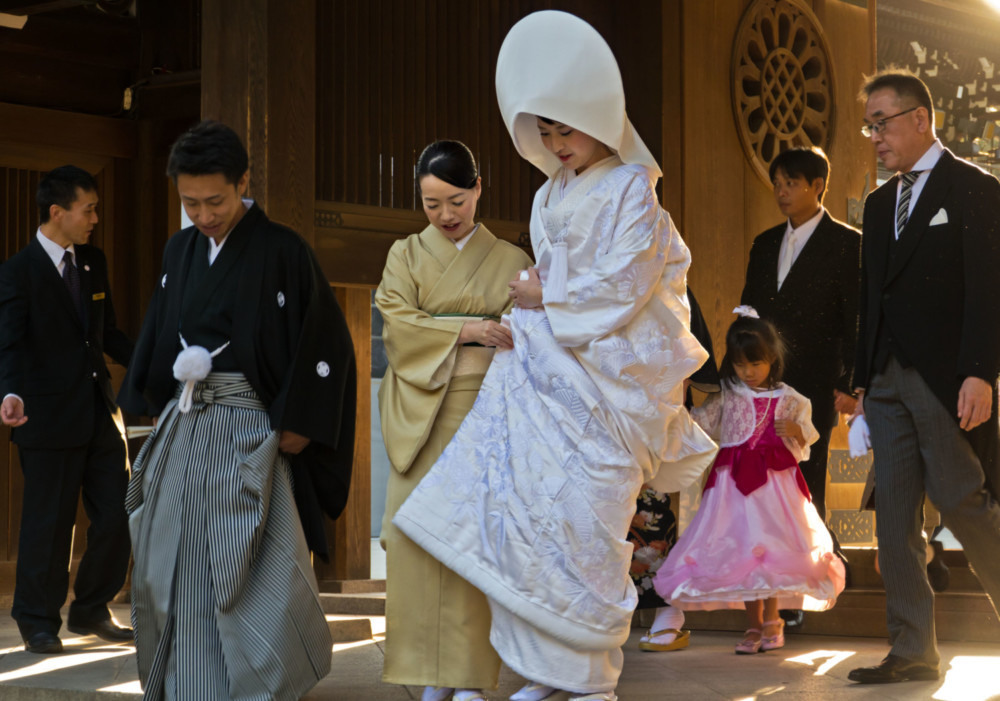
[(970, 678), (828, 659), (340, 647), (766, 691), (54, 664), (127, 688)]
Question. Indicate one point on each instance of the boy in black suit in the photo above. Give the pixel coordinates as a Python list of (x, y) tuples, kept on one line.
[(56, 323), (804, 276)]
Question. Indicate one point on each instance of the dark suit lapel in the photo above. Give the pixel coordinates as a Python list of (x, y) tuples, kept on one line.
[(931, 197), (49, 275), (770, 243), (880, 218)]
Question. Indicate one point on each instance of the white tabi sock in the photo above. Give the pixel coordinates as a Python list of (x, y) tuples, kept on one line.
[(468, 694), (533, 692), (666, 617), (436, 693)]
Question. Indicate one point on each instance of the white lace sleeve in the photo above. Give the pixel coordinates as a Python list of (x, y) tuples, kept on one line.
[(796, 407), (709, 415)]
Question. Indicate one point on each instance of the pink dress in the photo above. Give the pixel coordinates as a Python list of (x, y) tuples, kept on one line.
[(757, 534)]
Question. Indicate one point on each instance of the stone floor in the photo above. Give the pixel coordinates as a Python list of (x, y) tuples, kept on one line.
[(809, 667)]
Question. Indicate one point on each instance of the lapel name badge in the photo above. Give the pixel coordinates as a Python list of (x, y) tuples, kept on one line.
[(97, 295)]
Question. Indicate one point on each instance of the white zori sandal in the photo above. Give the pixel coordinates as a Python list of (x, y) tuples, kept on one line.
[(605, 696)]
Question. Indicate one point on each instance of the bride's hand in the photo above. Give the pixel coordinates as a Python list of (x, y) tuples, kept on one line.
[(527, 293)]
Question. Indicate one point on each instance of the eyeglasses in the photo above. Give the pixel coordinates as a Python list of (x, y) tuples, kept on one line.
[(879, 127)]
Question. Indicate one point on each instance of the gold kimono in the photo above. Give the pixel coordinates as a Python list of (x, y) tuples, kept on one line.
[(437, 624)]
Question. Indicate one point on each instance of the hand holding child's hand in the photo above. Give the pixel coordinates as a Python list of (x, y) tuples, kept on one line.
[(786, 428)]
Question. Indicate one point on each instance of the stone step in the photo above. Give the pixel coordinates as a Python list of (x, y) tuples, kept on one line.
[(348, 629), (372, 604), (353, 586), (959, 616)]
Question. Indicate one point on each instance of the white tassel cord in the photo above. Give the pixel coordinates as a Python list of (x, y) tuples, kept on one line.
[(192, 366), (555, 284)]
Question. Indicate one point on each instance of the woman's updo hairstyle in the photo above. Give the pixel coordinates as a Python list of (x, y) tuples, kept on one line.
[(449, 161)]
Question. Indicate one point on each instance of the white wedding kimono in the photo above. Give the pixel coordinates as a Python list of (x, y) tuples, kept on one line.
[(532, 499)]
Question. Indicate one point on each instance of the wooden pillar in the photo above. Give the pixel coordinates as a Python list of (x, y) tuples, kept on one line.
[(351, 533), (259, 76)]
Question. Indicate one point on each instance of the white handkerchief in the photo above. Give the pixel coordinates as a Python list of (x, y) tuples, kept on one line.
[(858, 438), (940, 218)]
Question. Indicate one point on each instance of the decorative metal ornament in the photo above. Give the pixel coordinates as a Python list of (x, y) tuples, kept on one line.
[(782, 79)]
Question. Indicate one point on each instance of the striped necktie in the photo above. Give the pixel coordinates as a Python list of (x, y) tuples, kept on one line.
[(903, 207), (71, 276)]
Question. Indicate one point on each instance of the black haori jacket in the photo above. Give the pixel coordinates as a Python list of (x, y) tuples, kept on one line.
[(290, 340)]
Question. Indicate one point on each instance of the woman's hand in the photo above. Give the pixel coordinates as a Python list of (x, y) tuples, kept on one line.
[(786, 428), (527, 294), (486, 333)]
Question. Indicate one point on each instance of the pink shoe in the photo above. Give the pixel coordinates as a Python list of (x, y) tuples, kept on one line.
[(773, 642), (749, 646)]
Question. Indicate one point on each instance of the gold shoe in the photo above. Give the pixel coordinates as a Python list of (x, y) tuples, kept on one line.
[(680, 642)]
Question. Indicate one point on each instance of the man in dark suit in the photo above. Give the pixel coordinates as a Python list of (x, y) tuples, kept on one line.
[(56, 322), (927, 363), (803, 277)]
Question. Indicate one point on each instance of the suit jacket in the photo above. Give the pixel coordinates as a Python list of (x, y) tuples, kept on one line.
[(50, 356), (815, 311), (938, 288)]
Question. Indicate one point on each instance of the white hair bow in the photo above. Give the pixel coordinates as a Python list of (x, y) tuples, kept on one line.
[(746, 310)]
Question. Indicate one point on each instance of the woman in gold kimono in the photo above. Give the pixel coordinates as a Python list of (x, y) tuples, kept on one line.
[(442, 294)]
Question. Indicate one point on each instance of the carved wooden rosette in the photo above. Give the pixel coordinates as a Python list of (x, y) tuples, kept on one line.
[(782, 78)]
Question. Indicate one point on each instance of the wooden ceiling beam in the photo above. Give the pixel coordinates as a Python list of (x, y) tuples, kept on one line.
[(33, 7)]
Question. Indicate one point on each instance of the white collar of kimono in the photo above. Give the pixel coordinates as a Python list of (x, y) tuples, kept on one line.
[(740, 388), (213, 247), (555, 65), (460, 243)]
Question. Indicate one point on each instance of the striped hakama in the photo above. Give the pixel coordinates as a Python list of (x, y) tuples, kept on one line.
[(224, 599)]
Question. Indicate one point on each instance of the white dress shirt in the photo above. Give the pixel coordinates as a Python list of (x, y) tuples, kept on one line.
[(793, 243), (55, 251)]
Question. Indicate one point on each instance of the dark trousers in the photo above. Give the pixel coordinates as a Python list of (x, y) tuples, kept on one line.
[(920, 449), (814, 469), (53, 480)]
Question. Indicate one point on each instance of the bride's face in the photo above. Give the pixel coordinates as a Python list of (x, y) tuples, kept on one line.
[(576, 150)]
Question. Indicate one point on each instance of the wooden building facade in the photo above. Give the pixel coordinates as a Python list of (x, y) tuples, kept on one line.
[(336, 98)]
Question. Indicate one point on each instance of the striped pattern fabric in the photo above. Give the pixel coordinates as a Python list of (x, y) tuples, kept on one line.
[(905, 194), (919, 448), (224, 599)]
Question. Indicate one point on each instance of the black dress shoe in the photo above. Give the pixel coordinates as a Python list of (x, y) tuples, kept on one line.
[(894, 669), (105, 630), (43, 644), (793, 618)]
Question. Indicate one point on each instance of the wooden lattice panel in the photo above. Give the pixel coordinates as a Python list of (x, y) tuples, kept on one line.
[(782, 79)]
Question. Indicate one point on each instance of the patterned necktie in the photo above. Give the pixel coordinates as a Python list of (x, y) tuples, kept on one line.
[(71, 276), (903, 207)]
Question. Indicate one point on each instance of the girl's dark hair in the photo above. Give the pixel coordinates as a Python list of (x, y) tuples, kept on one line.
[(753, 339), (450, 161)]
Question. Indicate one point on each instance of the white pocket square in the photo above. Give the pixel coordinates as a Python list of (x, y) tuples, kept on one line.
[(940, 218)]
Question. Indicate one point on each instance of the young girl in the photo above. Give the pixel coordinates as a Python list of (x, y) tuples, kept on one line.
[(757, 540)]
